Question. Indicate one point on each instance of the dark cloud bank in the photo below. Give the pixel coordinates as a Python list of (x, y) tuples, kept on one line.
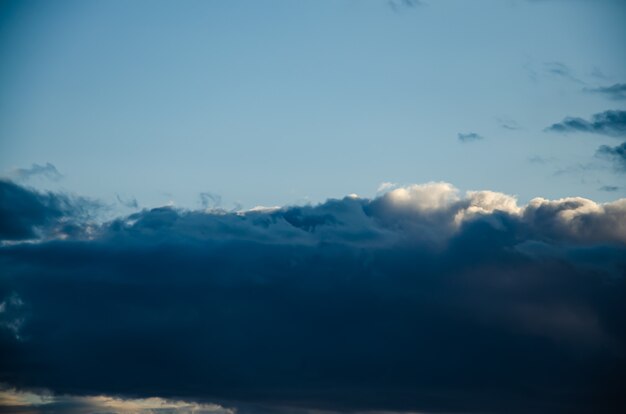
[(419, 300)]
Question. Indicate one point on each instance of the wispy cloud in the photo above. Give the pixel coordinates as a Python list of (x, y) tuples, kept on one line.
[(509, 124), (560, 69), (386, 186), (538, 159), (609, 188), (469, 137), (397, 5), (612, 123), (617, 155), (210, 200), (616, 91), (130, 202), (48, 171)]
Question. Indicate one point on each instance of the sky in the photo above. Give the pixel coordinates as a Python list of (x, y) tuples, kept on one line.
[(282, 102), (312, 207)]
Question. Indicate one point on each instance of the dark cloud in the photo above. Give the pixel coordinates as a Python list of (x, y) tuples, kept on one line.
[(616, 154), (616, 91), (48, 171), (26, 214), (418, 300), (611, 123), (469, 137)]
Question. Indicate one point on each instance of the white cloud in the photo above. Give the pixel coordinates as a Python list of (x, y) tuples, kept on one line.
[(43, 401)]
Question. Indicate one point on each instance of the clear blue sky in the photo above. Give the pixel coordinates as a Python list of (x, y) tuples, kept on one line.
[(282, 102)]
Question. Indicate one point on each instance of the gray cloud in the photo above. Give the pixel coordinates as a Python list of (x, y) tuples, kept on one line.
[(469, 137), (612, 123), (422, 299), (616, 91), (48, 171)]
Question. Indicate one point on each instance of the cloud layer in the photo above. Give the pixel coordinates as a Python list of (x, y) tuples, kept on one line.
[(422, 299)]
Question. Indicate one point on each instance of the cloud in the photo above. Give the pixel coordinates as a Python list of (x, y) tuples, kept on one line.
[(210, 200), (615, 154), (48, 171), (396, 5), (612, 123), (509, 124), (609, 188), (616, 91), (424, 299), (469, 137), (12, 400), (127, 202), (26, 214), (561, 70), (538, 159)]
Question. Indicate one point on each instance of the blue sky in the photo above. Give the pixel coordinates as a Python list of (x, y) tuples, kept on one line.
[(286, 102)]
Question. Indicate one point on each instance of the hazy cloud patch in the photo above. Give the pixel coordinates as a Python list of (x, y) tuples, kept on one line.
[(210, 200), (617, 155), (469, 137), (560, 69), (509, 124), (48, 171), (609, 188), (616, 91), (397, 5)]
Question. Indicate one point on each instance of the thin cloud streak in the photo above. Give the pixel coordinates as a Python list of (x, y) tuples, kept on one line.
[(616, 91)]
